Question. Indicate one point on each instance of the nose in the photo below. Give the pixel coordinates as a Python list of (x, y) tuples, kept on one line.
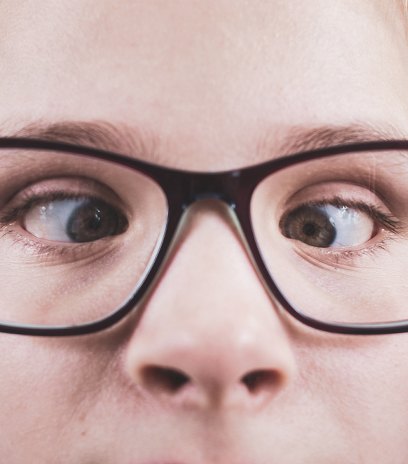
[(210, 335)]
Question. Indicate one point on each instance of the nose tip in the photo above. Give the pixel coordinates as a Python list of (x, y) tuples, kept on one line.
[(251, 390), (226, 372)]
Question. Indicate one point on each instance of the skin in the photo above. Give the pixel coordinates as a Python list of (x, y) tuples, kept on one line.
[(211, 81)]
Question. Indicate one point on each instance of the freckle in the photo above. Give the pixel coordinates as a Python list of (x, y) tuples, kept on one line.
[(83, 433)]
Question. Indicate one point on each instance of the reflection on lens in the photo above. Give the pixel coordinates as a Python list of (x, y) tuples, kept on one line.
[(333, 235)]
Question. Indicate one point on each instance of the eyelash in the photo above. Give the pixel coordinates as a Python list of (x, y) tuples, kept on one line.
[(387, 220), (29, 201)]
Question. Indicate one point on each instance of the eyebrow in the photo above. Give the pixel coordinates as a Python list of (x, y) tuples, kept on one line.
[(300, 138), (131, 141), (102, 135)]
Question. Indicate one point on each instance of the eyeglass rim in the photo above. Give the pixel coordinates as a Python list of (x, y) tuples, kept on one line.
[(182, 188)]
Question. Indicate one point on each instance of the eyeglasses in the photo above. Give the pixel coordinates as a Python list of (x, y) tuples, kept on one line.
[(84, 232)]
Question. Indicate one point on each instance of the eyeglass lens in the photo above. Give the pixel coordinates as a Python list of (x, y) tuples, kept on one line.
[(77, 235), (333, 234)]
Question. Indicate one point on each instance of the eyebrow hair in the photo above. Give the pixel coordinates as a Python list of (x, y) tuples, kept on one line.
[(300, 139), (98, 134), (131, 141)]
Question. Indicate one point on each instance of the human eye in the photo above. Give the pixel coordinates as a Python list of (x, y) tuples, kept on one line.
[(340, 226), (65, 218), (335, 223), (61, 213)]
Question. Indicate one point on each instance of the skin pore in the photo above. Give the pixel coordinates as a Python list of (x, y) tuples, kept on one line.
[(205, 85)]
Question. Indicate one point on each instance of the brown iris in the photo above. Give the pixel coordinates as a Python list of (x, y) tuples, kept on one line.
[(310, 225)]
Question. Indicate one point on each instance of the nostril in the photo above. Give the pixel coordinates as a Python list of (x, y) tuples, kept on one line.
[(163, 379), (259, 380)]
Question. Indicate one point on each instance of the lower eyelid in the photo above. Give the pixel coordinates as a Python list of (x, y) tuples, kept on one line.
[(339, 256), (40, 250)]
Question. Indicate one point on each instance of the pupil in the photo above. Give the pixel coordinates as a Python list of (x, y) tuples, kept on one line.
[(309, 229), (93, 220)]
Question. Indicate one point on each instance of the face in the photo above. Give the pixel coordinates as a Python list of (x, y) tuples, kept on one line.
[(209, 85)]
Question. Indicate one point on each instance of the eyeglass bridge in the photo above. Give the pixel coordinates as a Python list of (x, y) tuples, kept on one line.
[(211, 186)]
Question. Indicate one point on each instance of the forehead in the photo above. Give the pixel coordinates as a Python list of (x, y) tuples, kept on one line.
[(211, 79)]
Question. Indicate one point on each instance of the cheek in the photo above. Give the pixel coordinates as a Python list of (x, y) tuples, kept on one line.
[(43, 393), (363, 382)]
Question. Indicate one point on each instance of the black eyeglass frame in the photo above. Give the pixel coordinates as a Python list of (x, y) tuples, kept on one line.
[(182, 188)]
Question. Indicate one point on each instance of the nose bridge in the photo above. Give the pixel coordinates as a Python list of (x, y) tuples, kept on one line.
[(209, 206), (212, 201), (213, 194)]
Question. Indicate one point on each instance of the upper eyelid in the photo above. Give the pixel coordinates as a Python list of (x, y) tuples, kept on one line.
[(338, 202), (12, 213), (65, 187)]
